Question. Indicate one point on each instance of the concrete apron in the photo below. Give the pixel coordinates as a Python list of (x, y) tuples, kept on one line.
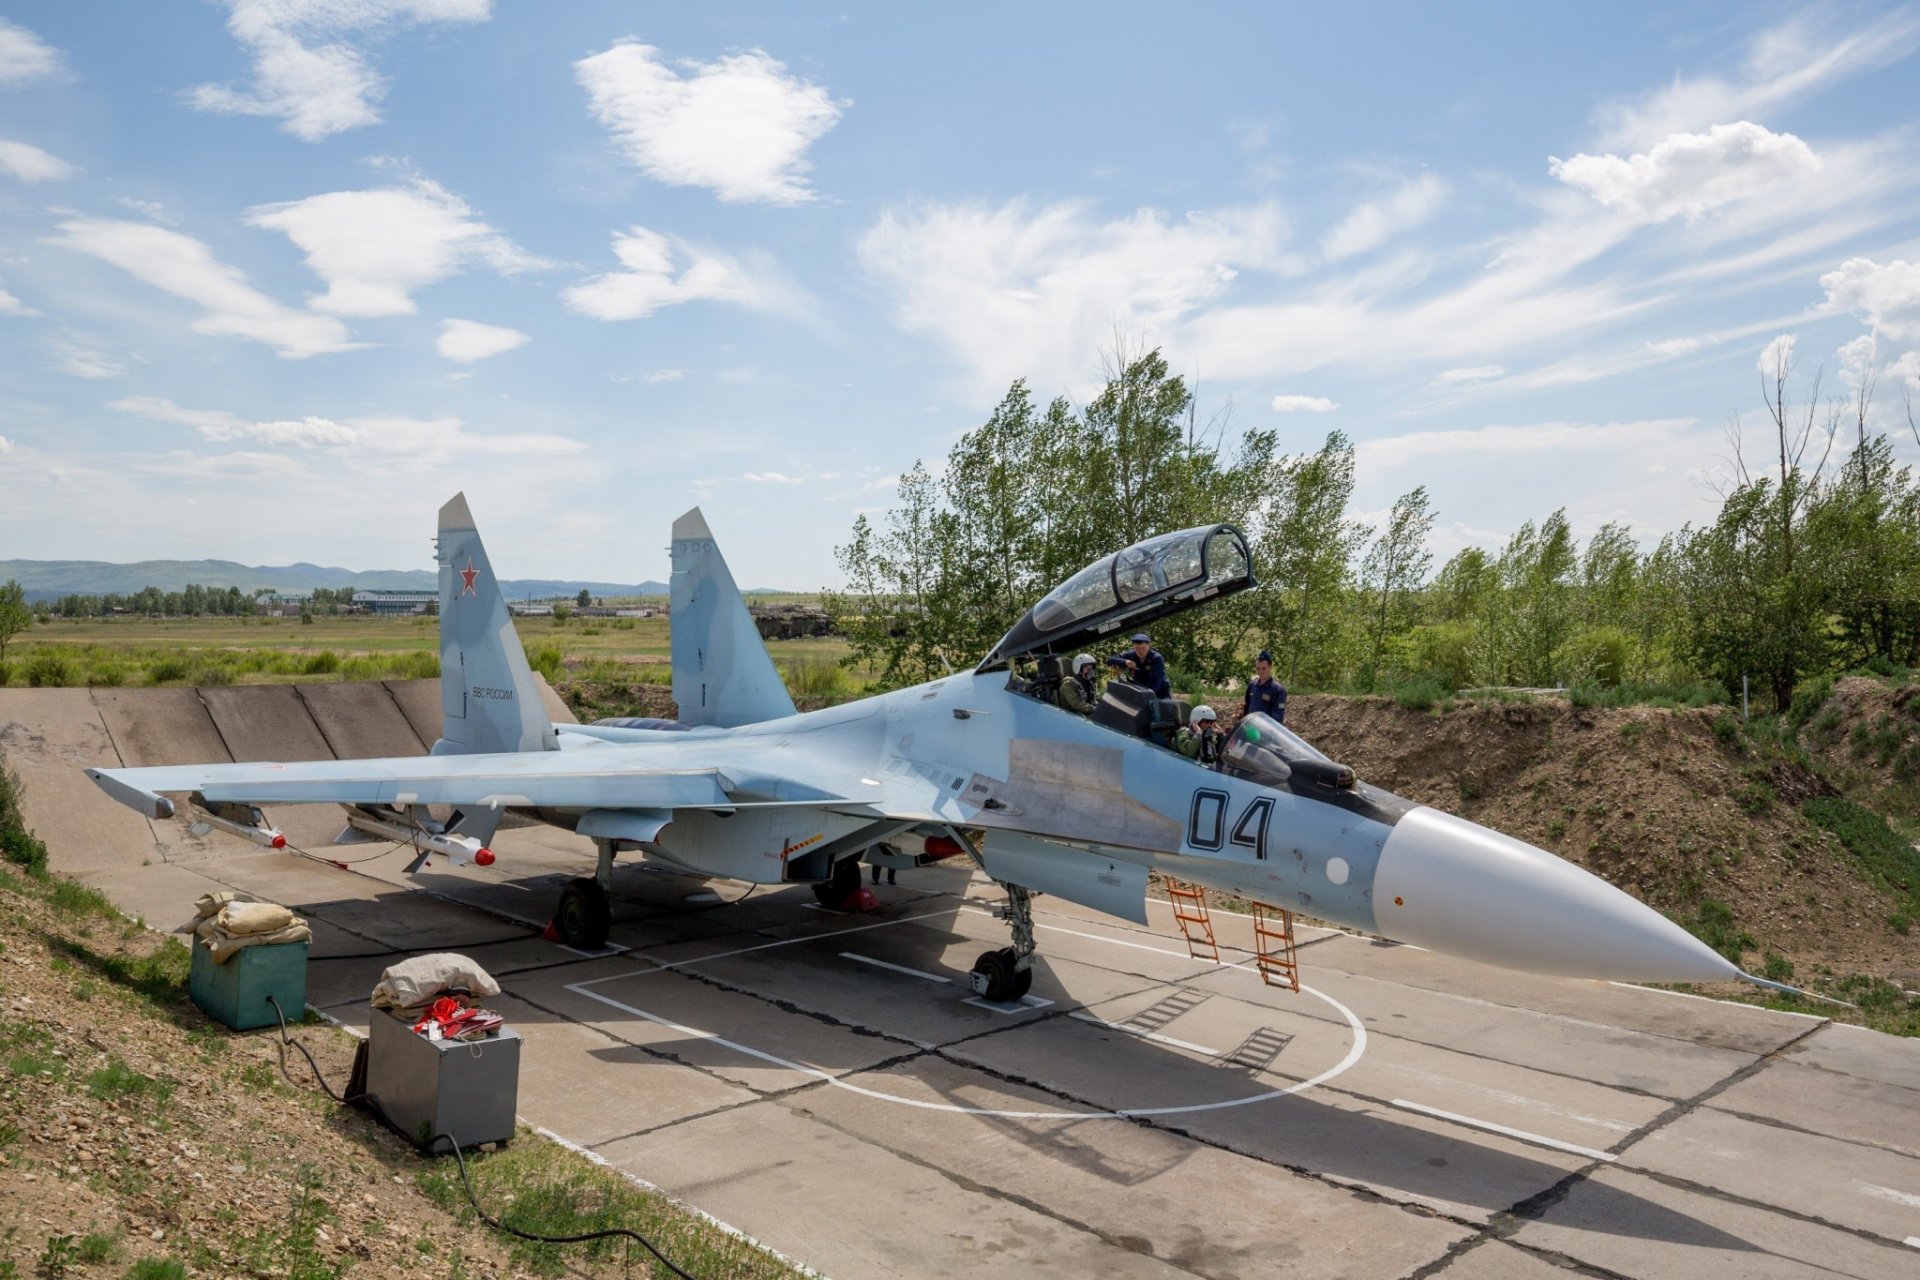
[(1142, 1113)]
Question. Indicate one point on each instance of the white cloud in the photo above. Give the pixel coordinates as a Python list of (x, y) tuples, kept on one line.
[(150, 208), (662, 272), (664, 375), (25, 57), (1692, 174), (1373, 223), (1613, 438), (1783, 64), (374, 248), (379, 443), (309, 69), (770, 477), (1778, 353), (184, 267), (739, 126), (1857, 359), (29, 163), (1020, 291), (1907, 369), (1886, 297), (1666, 347), (81, 359), (1303, 404), (12, 306), (6, 445), (465, 341), (1477, 373)]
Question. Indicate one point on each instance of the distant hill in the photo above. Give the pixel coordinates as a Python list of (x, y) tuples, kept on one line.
[(51, 579)]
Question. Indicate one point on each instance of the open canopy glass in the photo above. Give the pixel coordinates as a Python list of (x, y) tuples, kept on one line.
[(1148, 580)]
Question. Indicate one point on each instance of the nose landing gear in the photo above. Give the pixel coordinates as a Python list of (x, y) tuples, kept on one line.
[(1007, 974)]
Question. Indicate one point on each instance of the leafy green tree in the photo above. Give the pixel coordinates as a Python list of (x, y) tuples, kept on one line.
[(584, 599), (15, 616), (1395, 565), (1303, 554)]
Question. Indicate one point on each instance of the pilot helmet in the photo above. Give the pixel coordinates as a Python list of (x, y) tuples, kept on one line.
[(1202, 715), (1082, 662)]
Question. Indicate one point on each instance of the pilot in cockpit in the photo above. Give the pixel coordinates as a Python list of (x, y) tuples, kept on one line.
[(1077, 692), (1202, 740)]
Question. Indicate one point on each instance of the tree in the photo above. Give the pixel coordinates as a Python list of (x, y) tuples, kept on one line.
[(1395, 565), (1305, 547), (584, 599), (15, 616)]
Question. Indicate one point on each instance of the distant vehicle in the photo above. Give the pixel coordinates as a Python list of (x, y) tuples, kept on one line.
[(976, 766)]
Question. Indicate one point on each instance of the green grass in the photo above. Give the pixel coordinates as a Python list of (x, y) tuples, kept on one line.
[(156, 1269), (18, 845), (541, 1187), (1883, 854), (118, 1080), (1713, 924), (99, 1246)]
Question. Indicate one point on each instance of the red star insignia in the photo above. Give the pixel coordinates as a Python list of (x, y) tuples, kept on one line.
[(469, 574)]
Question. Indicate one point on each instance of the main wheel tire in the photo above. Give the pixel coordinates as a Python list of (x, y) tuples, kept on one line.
[(994, 977), (1022, 983), (583, 915), (842, 884)]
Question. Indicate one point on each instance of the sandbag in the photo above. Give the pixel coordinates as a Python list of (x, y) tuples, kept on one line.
[(416, 982), (243, 918), (225, 946)]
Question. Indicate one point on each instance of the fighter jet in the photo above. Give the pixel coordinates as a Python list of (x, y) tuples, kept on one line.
[(981, 766)]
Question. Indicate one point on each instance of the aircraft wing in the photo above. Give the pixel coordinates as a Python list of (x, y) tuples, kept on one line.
[(534, 779)]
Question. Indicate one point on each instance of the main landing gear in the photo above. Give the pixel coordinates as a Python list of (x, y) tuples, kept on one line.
[(840, 885), (583, 915), (1007, 974)]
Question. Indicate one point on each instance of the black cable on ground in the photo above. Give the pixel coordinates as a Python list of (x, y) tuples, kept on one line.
[(466, 1182), (609, 1233), (286, 1040)]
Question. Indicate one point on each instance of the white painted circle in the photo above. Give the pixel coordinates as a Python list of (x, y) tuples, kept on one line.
[(1353, 1056), (1337, 870)]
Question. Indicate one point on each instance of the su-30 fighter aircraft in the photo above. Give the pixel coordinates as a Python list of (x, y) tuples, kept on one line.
[(980, 766)]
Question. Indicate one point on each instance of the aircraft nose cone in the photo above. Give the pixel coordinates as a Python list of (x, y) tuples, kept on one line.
[(1454, 886)]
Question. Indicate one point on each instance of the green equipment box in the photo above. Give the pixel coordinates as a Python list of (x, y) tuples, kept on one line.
[(236, 992)]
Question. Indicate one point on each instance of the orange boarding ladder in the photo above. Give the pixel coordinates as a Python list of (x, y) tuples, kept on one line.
[(1189, 902), (1273, 946)]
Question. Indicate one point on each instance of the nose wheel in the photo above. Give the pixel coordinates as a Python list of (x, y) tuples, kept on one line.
[(1006, 975)]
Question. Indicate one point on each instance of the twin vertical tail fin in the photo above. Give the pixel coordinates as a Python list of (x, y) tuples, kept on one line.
[(488, 698), (722, 674)]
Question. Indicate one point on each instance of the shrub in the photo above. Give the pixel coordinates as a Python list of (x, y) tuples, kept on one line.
[(323, 663), (1443, 650), (546, 660), (1420, 693), (49, 669), (1807, 699), (17, 844), (1599, 656), (1883, 854), (156, 1269), (109, 675), (168, 671)]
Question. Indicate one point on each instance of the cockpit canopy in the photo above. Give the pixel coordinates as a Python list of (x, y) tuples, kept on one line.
[(1263, 750), (1152, 579)]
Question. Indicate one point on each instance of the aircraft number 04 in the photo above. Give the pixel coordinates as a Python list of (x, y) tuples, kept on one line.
[(1207, 822)]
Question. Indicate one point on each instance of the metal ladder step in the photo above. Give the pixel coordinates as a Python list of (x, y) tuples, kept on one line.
[(1189, 902), (1273, 946)]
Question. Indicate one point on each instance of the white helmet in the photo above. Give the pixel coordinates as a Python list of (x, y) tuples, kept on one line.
[(1082, 662), (1202, 715)]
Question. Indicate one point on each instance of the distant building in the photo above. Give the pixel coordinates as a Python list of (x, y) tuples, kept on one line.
[(395, 601), (528, 609)]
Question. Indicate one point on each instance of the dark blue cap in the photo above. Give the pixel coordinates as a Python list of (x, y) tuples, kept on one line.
[(1264, 657), (1141, 637)]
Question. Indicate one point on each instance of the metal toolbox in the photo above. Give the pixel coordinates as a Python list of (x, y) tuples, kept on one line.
[(468, 1089)]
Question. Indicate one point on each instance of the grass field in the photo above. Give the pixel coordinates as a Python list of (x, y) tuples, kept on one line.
[(140, 651)]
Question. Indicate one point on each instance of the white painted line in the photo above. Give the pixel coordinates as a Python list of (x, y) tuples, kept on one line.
[(1888, 1193), (1914, 1241), (897, 968), (1736, 1004), (610, 949), (1154, 1036), (1023, 1005), (1539, 1140), (764, 946), (1354, 1053)]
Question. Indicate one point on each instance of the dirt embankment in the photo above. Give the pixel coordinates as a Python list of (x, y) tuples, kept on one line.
[(1865, 736), (1678, 807)]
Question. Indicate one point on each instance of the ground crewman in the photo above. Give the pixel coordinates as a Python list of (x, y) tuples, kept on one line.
[(1202, 739), (1264, 693), (1149, 666)]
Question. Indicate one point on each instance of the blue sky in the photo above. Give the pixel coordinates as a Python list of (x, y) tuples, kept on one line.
[(278, 276)]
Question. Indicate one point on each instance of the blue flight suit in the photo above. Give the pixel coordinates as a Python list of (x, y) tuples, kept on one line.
[(1270, 697), (1150, 674)]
